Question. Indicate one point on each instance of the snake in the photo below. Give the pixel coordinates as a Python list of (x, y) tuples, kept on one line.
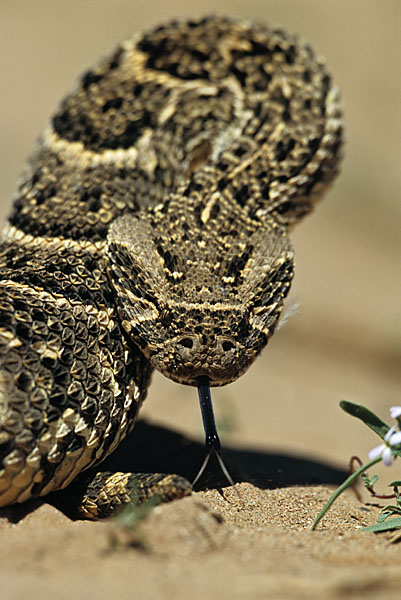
[(150, 230)]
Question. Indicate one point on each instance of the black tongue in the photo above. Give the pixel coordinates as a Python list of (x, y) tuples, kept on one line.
[(212, 441)]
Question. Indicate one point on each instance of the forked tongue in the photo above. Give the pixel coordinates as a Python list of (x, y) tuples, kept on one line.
[(212, 442)]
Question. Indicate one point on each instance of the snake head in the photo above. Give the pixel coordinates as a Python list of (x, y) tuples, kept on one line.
[(198, 305)]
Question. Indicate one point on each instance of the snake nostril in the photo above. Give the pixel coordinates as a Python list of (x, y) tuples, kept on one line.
[(186, 342), (227, 345)]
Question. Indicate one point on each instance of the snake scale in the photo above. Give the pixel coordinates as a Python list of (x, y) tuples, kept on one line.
[(150, 230)]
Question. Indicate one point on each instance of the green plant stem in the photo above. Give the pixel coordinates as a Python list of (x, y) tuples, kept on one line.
[(342, 487)]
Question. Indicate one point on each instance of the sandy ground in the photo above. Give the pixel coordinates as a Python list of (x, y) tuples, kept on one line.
[(243, 542), (285, 439)]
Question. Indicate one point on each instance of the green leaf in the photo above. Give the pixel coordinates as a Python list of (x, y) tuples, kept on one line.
[(349, 481), (369, 481), (365, 415), (386, 526), (394, 484), (132, 514), (384, 516)]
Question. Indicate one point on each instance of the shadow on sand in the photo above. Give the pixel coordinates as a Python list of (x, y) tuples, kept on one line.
[(155, 449)]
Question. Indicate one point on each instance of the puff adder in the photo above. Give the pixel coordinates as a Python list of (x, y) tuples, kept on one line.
[(150, 230)]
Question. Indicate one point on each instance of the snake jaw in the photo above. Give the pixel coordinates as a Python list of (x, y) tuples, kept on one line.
[(185, 365)]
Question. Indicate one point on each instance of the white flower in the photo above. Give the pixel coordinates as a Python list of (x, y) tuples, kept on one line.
[(392, 438), (395, 412)]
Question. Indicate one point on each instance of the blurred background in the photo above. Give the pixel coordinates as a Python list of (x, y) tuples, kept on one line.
[(344, 341)]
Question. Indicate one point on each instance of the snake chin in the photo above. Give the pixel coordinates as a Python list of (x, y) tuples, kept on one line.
[(189, 357)]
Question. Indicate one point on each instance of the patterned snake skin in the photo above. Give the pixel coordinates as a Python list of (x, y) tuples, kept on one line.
[(150, 230)]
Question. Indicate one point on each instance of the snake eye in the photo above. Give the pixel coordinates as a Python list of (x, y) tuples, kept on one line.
[(166, 317)]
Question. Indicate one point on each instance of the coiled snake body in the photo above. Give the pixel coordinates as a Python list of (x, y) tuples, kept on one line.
[(150, 230)]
